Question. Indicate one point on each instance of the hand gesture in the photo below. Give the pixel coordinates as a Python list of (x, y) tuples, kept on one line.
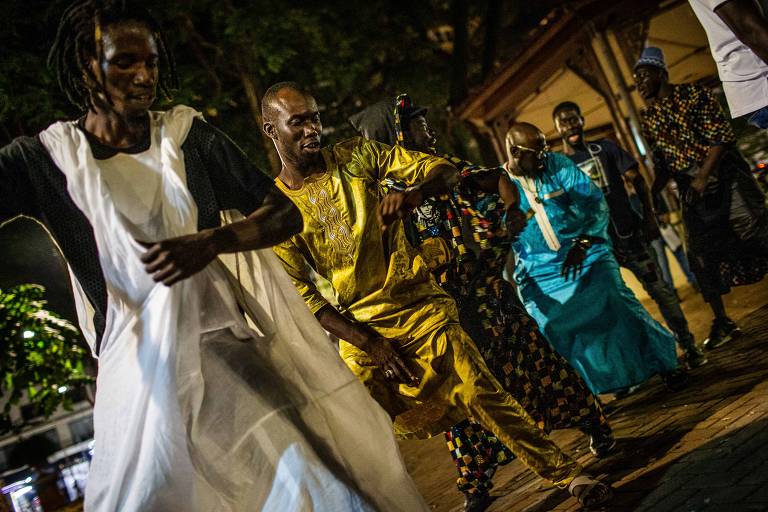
[(395, 205), (170, 261), (383, 355), (574, 262)]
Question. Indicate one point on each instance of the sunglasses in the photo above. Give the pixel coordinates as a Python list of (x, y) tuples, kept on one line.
[(539, 153)]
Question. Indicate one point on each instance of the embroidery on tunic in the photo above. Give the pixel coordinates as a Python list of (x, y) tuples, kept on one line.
[(339, 232)]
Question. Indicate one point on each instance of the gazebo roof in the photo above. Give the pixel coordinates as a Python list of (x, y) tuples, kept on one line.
[(533, 82)]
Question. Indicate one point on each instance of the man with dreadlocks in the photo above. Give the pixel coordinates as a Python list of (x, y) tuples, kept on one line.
[(400, 331), (514, 349), (199, 408)]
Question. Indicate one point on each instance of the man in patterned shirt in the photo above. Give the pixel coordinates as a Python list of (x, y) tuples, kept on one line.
[(723, 208)]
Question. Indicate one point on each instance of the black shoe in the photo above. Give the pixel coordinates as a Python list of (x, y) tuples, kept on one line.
[(694, 357), (601, 443), (477, 501), (723, 331), (675, 380)]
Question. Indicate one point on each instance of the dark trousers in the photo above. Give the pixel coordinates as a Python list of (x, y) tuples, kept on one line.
[(642, 263)]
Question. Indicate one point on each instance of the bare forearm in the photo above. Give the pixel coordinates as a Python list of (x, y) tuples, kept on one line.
[(276, 220), (745, 20), (381, 351), (345, 329), (486, 180), (442, 179), (495, 181)]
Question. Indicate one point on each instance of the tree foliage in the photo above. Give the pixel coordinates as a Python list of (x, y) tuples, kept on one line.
[(41, 354), (350, 54)]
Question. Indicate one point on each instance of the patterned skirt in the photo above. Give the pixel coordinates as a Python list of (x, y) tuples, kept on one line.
[(519, 356), (523, 361)]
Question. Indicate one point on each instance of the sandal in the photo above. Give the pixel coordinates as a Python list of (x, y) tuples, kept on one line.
[(590, 492)]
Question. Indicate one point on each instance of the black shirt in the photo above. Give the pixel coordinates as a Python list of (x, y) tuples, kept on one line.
[(219, 177), (605, 163)]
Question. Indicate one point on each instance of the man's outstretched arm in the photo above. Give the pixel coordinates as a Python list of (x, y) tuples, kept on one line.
[(16, 193), (743, 17), (170, 261), (395, 205)]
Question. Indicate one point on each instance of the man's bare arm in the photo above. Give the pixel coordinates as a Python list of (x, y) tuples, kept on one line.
[(175, 259), (744, 18), (396, 205), (276, 220)]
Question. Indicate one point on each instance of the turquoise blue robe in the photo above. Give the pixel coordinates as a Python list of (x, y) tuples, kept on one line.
[(595, 321)]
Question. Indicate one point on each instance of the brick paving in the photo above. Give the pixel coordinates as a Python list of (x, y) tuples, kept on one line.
[(704, 449)]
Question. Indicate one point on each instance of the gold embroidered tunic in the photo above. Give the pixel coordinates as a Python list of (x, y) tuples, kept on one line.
[(379, 279)]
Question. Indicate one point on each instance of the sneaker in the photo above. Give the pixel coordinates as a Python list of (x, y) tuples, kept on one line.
[(602, 443), (694, 357), (723, 331), (477, 501)]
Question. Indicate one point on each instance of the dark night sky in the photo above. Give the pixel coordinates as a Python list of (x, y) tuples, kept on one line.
[(27, 255)]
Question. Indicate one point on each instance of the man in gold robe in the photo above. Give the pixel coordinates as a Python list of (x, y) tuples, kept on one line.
[(400, 331)]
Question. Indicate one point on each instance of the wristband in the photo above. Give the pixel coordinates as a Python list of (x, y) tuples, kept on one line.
[(413, 188), (583, 242)]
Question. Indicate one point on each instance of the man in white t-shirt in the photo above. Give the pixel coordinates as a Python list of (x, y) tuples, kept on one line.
[(739, 44)]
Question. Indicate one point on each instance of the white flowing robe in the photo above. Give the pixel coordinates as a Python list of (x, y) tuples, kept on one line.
[(197, 409)]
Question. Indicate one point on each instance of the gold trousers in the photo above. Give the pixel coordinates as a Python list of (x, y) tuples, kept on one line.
[(455, 384)]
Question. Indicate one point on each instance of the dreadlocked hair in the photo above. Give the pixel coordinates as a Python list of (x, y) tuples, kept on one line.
[(78, 39)]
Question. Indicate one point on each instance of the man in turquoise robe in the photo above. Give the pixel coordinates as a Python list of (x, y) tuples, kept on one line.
[(569, 279)]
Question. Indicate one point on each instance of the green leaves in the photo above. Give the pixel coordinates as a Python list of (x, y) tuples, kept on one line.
[(350, 54), (40, 353)]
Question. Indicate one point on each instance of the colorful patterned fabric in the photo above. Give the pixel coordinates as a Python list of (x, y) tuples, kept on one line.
[(402, 102), (685, 124), (477, 453), (541, 381), (508, 338)]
